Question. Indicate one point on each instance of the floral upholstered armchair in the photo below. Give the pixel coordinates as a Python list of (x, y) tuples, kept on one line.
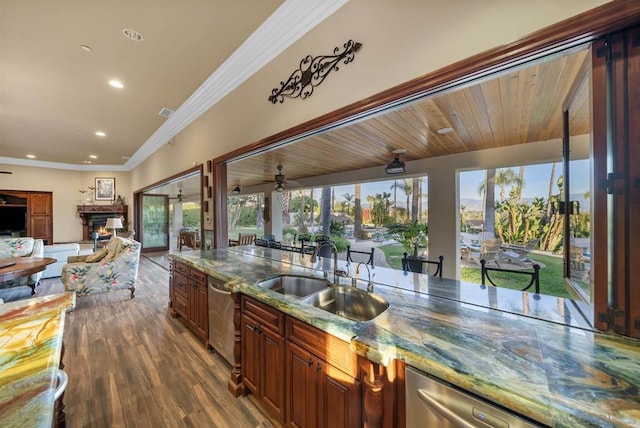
[(22, 247), (114, 267)]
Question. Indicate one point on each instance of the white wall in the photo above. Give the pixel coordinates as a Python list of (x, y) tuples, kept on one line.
[(402, 40), (66, 186)]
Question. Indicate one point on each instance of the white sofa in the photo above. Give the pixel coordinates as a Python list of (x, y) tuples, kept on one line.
[(61, 252)]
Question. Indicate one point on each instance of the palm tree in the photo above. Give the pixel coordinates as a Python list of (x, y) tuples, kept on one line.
[(325, 210), (552, 179), (504, 178), (490, 200), (520, 182), (357, 221), (348, 201), (406, 187), (395, 200), (415, 198)]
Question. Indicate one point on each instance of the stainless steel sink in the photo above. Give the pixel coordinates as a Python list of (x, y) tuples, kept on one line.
[(348, 302), (295, 285)]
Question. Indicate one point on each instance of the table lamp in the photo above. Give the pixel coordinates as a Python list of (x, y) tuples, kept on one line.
[(114, 223)]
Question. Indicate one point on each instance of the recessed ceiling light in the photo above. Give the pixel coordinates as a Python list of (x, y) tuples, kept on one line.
[(86, 161), (126, 157), (132, 35), (399, 151), (31, 156), (443, 131), (86, 48), (100, 134), (116, 84), (93, 156)]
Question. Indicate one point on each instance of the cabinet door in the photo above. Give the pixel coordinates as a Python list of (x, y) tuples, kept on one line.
[(40, 227), (273, 358), (341, 399), (250, 354), (199, 307), (40, 203), (302, 388)]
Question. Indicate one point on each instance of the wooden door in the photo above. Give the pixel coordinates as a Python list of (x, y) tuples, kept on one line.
[(272, 384), (616, 105), (40, 217), (633, 97), (250, 354), (302, 387)]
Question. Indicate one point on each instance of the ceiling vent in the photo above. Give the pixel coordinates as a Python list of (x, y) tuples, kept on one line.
[(165, 112)]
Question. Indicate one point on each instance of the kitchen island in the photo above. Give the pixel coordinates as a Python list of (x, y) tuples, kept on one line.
[(30, 353), (534, 356)]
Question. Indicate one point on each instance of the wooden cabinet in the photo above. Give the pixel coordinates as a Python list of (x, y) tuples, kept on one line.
[(188, 297), (24, 213), (308, 378), (318, 393), (263, 354)]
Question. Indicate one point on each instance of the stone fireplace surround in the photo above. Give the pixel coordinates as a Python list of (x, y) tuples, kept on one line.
[(94, 217)]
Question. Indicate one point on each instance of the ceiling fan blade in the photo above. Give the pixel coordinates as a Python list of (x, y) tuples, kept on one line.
[(6, 172)]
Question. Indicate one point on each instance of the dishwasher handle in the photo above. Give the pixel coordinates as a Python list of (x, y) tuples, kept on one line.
[(442, 410), (217, 290)]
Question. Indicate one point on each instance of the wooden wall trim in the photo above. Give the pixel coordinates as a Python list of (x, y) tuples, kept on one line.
[(219, 213), (173, 177), (582, 28)]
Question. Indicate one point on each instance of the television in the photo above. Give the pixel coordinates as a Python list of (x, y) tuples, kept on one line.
[(13, 219)]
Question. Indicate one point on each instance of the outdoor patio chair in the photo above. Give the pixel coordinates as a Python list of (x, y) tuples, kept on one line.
[(535, 276), (368, 254), (489, 251), (242, 240), (421, 265), (519, 254)]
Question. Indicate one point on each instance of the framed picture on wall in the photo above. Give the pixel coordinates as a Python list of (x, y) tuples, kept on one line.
[(105, 189)]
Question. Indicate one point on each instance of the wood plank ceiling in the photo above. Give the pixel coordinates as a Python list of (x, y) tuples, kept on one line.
[(518, 107)]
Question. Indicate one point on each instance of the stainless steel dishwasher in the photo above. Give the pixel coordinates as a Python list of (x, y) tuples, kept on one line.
[(220, 319), (433, 403)]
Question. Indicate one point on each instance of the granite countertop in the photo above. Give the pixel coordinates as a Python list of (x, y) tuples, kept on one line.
[(30, 350), (530, 355)]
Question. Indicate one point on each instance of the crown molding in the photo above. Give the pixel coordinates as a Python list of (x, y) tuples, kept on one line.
[(292, 20)]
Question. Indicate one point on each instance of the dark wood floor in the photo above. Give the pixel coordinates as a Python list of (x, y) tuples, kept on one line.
[(131, 365)]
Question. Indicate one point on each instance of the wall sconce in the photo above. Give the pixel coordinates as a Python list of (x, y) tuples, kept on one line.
[(236, 190)]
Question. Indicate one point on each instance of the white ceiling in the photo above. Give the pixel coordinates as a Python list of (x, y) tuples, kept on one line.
[(54, 95)]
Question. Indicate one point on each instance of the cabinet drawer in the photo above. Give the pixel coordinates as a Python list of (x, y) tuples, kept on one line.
[(182, 268), (180, 284), (265, 315), (331, 349), (180, 305), (197, 276)]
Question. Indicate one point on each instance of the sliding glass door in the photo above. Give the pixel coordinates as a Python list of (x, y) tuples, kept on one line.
[(155, 223)]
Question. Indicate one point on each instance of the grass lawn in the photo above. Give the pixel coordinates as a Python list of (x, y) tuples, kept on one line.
[(551, 275)]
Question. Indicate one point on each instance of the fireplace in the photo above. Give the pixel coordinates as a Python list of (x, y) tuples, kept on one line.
[(94, 218)]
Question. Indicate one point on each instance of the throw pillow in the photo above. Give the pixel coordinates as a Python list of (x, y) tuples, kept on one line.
[(97, 256)]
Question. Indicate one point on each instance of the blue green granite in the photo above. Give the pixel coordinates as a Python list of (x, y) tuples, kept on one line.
[(498, 345)]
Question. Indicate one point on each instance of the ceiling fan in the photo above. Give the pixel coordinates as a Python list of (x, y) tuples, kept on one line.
[(6, 172), (279, 180), (178, 196)]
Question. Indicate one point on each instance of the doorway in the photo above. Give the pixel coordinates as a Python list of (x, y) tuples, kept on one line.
[(168, 207)]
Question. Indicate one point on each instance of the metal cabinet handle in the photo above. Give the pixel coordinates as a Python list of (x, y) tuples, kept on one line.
[(310, 362), (437, 406)]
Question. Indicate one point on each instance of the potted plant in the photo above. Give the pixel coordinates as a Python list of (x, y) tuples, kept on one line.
[(412, 235)]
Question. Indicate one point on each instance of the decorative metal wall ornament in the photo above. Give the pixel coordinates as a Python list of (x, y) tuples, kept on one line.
[(312, 72)]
